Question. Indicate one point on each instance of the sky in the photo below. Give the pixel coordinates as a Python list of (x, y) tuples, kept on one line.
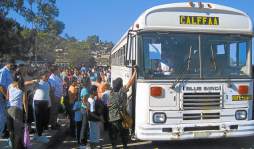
[(110, 19)]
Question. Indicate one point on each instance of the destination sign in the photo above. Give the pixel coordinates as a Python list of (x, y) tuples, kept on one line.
[(199, 20)]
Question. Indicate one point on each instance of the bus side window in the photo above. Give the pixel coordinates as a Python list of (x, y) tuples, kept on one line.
[(131, 51), (134, 51)]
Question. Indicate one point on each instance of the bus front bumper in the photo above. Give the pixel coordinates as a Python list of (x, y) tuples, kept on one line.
[(195, 131)]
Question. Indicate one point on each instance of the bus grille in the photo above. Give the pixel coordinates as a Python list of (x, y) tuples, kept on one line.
[(201, 116), (201, 101)]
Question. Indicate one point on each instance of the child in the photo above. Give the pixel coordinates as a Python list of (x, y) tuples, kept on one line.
[(77, 108), (84, 94)]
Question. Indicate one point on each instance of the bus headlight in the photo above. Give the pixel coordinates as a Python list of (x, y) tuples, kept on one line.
[(159, 118), (240, 115)]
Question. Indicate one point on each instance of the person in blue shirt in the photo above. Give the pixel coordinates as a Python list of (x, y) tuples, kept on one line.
[(83, 68), (5, 80), (78, 109), (84, 95)]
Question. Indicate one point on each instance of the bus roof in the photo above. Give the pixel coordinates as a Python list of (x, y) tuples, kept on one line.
[(193, 17)]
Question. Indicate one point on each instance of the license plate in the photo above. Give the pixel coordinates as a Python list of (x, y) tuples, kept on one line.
[(201, 134), (241, 97)]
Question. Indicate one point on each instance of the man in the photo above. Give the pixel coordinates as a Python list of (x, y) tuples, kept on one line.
[(5, 80), (73, 95), (56, 85), (83, 68)]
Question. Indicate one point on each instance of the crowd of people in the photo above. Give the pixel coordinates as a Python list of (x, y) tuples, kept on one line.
[(83, 94)]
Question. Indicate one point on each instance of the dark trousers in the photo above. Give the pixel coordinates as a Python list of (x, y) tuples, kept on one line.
[(54, 111), (71, 113), (84, 129), (16, 127), (41, 115), (115, 129), (106, 118), (78, 130)]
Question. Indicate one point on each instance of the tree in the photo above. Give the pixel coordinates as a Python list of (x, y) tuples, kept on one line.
[(42, 39), (93, 41), (11, 40), (55, 27)]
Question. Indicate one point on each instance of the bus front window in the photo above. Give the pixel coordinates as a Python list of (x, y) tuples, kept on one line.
[(169, 55), (225, 56), (174, 55)]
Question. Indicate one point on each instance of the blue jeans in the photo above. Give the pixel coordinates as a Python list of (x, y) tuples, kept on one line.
[(3, 117), (94, 132)]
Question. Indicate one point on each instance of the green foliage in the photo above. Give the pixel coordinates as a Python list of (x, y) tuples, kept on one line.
[(55, 26), (43, 38), (20, 41), (92, 41), (11, 40), (41, 13)]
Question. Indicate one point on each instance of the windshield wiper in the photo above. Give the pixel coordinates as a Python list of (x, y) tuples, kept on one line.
[(213, 61), (183, 70), (189, 59)]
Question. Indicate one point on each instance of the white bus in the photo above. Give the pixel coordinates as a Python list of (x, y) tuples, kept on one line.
[(194, 72)]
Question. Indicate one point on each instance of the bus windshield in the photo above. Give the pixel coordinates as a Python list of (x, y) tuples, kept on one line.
[(170, 55)]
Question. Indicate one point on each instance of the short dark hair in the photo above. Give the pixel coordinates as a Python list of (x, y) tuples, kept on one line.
[(53, 69), (74, 79), (42, 73), (99, 79), (117, 84), (93, 89)]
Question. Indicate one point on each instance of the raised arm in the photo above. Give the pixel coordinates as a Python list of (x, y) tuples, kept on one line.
[(31, 82), (132, 79)]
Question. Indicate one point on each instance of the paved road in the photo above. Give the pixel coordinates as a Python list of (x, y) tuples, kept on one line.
[(233, 143), (61, 140)]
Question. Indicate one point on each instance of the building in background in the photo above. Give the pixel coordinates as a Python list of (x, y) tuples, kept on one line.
[(61, 57)]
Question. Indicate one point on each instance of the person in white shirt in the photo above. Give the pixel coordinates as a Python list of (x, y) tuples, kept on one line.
[(56, 84), (41, 103), (94, 118)]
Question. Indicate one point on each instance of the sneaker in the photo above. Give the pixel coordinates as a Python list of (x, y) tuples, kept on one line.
[(82, 147), (44, 139), (9, 143), (36, 138), (133, 138)]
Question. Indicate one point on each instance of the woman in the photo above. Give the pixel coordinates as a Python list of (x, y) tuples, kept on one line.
[(117, 98), (16, 100)]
